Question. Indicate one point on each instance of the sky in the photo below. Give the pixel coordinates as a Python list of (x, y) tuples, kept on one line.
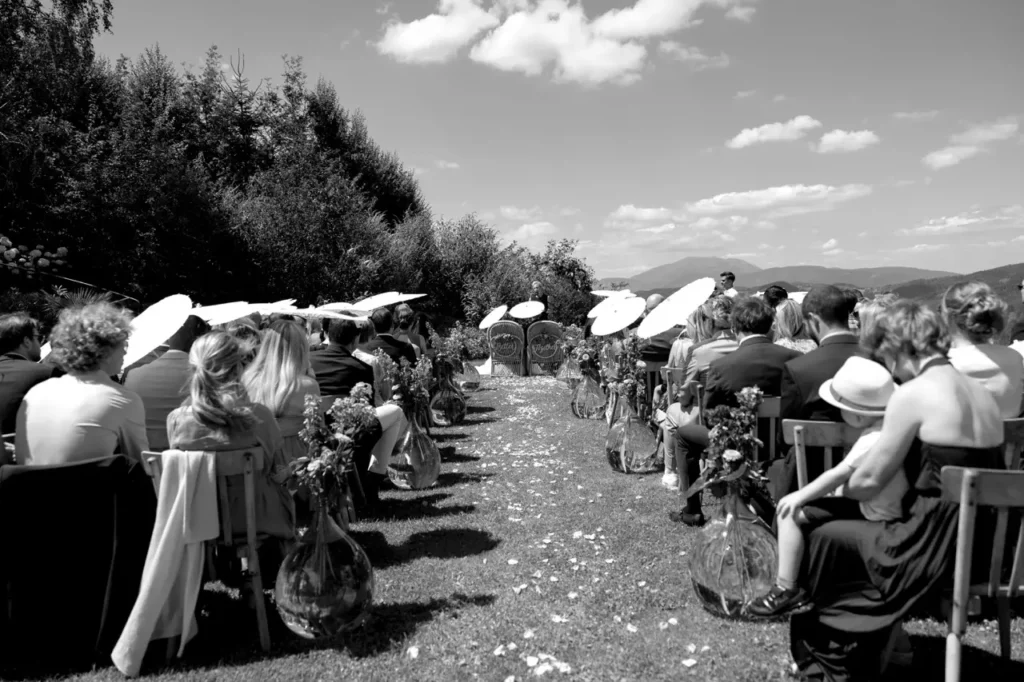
[(782, 132)]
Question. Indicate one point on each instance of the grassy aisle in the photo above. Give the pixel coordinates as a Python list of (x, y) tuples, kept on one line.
[(532, 558)]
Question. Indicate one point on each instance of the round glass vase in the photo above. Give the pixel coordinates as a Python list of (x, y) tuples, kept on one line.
[(469, 379), (630, 446), (588, 400), (735, 560), (416, 461), (570, 373), (447, 404), (324, 586)]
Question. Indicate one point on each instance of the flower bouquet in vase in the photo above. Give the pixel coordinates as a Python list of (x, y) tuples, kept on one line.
[(325, 584), (589, 399), (447, 402), (570, 372), (467, 378), (416, 461), (736, 556), (631, 446)]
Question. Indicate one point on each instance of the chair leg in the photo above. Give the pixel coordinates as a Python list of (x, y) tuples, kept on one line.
[(1003, 606), (953, 657), (261, 605)]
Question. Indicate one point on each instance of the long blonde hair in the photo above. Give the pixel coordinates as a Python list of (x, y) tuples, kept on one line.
[(277, 371), (215, 392), (789, 321)]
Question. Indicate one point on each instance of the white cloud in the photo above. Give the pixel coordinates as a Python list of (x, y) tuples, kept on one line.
[(741, 13), (446, 165), (923, 248), (781, 201), (436, 38), (833, 252), (830, 244), (748, 254), (1018, 239), (629, 212), (779, 98), (1007, 216), (743, 94), (971, 142), (534, 235), (659, 229), (569, 211), (647, 19), (697, 60), (793, 129), (846, 141), (519, 214), (915, 115)]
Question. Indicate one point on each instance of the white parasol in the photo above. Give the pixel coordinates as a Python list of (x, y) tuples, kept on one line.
[(44, 350), (526, 310), (222, 313), (798, 296), (676, 308), (620, 314), (155, 325), (493, 317), (403, 298), (1018, 346), (379, 300), (606, 293), (608, 301)]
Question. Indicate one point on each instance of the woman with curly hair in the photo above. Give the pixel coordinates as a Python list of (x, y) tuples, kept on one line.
[(976, 316), (84, 414), (217, 415)]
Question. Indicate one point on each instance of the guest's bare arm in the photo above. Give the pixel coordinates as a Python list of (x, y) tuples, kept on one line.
[(902, 422)]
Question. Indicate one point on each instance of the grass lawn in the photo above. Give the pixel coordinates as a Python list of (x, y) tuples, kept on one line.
[(532, 558)]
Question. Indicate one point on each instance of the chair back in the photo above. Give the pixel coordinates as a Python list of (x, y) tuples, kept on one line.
[(771, 410), (1013, 437), (507, 342), (831, 436), (698, 393), (1004, 492), (544, 345)]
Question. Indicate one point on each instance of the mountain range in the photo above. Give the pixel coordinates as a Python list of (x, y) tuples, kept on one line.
[(750, 277)]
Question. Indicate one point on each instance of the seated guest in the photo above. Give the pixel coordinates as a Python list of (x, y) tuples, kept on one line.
[(20, 368), (1017, 333), (246, 331), (863, 577), (756, 362), (397, 350), (335, 368), (721, 342), (827, 313), (217, 415), (83, 414), (381, 389), (774, 295), (976, 316), (315, 332), (866, 311), (789, 330), (161, 383), (406, 332)]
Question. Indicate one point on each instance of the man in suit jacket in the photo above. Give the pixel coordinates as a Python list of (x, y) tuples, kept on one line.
[(1017, 333), (384, 323), (827, 310), (756, 362), (336, 370), (20, 368), (161, 382)]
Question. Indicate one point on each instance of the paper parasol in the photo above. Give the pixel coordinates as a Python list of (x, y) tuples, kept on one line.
[(526, 310), (798, 296), (493, 317), (402, 298), (620, 314), (349, 311), (604, 305), (155, 325), (607, 293), (371, 303), (676, 308), (222, 313), (1018, 346), (44, 350)]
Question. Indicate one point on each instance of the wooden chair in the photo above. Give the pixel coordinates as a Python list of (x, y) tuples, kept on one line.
[(1003, 491), (810, 434), (7, 454), (245, 463), (771, 409), (653, 379), (1013, 437), (507, 342), (544, 346)]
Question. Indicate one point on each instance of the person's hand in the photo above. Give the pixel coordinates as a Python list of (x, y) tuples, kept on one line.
[(789, 506)]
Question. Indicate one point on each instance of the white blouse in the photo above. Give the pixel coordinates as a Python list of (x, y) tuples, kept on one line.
[(1000, 369)]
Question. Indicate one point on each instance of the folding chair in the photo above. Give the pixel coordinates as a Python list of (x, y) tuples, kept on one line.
[(810, 434)]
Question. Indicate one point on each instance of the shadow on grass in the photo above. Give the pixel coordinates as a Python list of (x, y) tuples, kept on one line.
[(405, 509), (445, 543), (478, 409), (930, 662), (442, 437), (458, 478), (449, 455), (470, 421)]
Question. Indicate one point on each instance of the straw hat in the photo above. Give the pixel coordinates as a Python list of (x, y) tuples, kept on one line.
[(860, 386)]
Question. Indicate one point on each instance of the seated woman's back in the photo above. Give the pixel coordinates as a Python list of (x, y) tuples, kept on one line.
[(955, 411), (999, 369)]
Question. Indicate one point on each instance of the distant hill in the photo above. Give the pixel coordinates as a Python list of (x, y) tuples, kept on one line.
[(682, 272)]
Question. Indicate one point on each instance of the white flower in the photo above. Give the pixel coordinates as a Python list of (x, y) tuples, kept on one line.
[(732, 456)]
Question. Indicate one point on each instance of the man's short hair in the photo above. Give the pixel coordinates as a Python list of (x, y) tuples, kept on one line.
[(774, 295), (833, 305), (343, 332), (14, 329), (382, 320), (751, 315), (728, 275)]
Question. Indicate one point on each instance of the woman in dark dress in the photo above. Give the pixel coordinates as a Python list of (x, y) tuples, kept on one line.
[(865, 577)]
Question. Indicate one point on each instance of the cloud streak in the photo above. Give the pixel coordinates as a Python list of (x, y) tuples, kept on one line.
[(846, 141), (787, 131), (971, 142)]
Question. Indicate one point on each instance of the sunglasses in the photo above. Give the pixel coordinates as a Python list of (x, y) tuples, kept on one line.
[(1020, 287)]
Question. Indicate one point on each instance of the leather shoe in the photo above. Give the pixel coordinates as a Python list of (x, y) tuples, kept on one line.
[(695, 520)]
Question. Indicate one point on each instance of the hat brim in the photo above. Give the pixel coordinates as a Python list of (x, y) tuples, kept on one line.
[(825, 393)]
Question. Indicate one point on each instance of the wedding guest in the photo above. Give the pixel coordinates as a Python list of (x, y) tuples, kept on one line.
[(20, 368), (725, 283), (1017, 333), (397, 350), (976, 317), (315, 333), (406, 331), (161, 383), (84, 414), (537, 293), (218, 415), (381, 388), (774, 295), (864, 578), (789, 329), (721, 342), (827, 313), (867, 311), (755, 362), (335, 368), (246, 331)]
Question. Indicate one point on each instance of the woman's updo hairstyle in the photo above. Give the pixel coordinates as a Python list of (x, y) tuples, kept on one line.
[(975, 310), (215, 391), (906, 330)]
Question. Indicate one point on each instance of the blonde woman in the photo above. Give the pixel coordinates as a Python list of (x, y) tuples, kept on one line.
[(789, 330), (84, 414), (217, 415), (367, 334), (280, 378)]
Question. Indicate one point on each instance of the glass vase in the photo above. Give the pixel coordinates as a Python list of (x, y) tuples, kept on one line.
[(416, 462), (468, 380), (588, 400), (447, 405), (325, 584), (631, 448), (570, 373), (735, 560)]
